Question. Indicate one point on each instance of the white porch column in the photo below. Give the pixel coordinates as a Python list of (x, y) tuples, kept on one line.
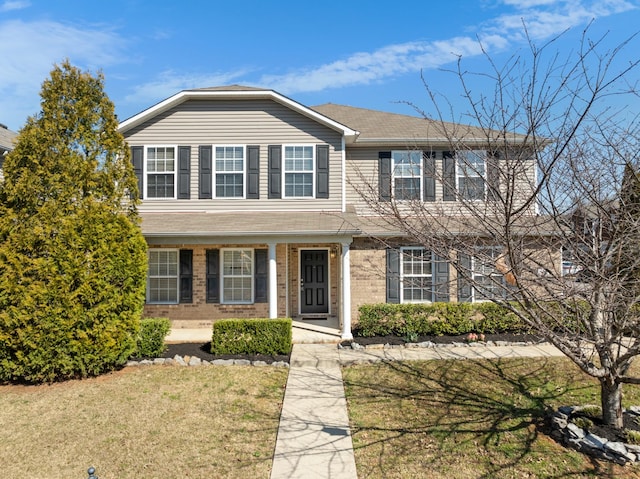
[(273, 282), (346, 293)]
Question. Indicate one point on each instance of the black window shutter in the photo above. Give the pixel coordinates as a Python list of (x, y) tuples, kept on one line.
[(448, 176), (184, 172), (322, 171), (137, 158), (384, 175), (441, 279), (393, 276), (253, 172), (493, 176), (205, 173), (261, 276), (464, 274), (275, 171), (429, 175), (186, 276), (213, 276)]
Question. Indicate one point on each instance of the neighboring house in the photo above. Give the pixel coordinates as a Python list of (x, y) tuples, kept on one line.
[(7, 139), (252, 206)]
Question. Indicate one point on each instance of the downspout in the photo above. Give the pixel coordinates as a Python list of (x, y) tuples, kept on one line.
[(344, 175)]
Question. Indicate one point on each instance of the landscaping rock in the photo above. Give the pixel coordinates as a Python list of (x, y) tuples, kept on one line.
[(571, 435), (222, 362)]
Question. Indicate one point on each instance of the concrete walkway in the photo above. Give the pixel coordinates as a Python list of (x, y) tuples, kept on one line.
[(314, 438)]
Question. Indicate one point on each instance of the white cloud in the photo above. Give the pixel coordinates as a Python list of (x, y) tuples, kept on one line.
[(30, 49), (14, 5), (543, 19)]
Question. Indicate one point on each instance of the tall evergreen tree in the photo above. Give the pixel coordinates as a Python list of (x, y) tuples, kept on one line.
[(72, 255)]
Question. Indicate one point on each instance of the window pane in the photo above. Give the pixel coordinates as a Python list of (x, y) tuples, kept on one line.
[(407, 188), (160, 186), (237, 271), (471, 168), (298, 184), (407, 174), (163, 276), (417, 285), (472, 188), (229, 185)]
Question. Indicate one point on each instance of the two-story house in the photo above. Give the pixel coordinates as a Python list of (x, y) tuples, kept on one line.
[(252, 206)]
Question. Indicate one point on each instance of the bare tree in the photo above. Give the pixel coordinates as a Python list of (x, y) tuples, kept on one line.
[(531, 210)]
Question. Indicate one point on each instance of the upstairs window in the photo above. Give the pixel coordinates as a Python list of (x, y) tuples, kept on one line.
[(407, 174), (230, 167), (471, 173), (161, 171), (298, 171)]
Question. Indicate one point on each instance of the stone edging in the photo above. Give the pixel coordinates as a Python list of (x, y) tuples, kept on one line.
[(568, 434), (430, 344), (195, 361)]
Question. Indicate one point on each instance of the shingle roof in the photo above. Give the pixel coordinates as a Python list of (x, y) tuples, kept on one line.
[(383, 127), (7, 138), (248, 224)]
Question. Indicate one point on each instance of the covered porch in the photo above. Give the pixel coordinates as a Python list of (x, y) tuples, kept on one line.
[(303, 260)]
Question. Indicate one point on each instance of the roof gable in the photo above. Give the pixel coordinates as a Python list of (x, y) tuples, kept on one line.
[(234, 92)]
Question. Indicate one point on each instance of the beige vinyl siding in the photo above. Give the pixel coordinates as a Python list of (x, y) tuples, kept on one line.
[(249, 122), (362, 180)]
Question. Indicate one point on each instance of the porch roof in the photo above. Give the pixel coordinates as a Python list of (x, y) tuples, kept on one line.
[(258, 224)]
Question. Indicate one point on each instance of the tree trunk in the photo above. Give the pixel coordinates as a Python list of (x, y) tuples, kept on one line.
[(611, 398)]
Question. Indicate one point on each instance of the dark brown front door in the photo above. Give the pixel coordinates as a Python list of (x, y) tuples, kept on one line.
[(314, 284)]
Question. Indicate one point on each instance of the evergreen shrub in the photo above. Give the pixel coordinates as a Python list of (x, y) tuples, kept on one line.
[(252, 336)]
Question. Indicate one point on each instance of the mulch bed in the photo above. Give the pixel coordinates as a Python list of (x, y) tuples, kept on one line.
[(395, 340), (203, 351)]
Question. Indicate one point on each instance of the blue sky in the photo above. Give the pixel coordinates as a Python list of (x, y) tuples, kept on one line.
[(349, 52)]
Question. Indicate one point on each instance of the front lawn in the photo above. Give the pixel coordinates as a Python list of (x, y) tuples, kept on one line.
[(159, 422), (469, 419)]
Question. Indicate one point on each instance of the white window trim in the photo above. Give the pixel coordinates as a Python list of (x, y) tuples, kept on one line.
[(460, 175), (223, 277), (420, 175), (402, 275), (146, 173), (215, 172), (177, 277), (313, 172)]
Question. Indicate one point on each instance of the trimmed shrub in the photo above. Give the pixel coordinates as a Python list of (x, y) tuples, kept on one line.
[(435, 319), (252, 336), (153, 331)]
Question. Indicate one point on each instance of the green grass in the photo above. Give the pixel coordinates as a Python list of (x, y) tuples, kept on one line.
[(469, 419), (159, 422)]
